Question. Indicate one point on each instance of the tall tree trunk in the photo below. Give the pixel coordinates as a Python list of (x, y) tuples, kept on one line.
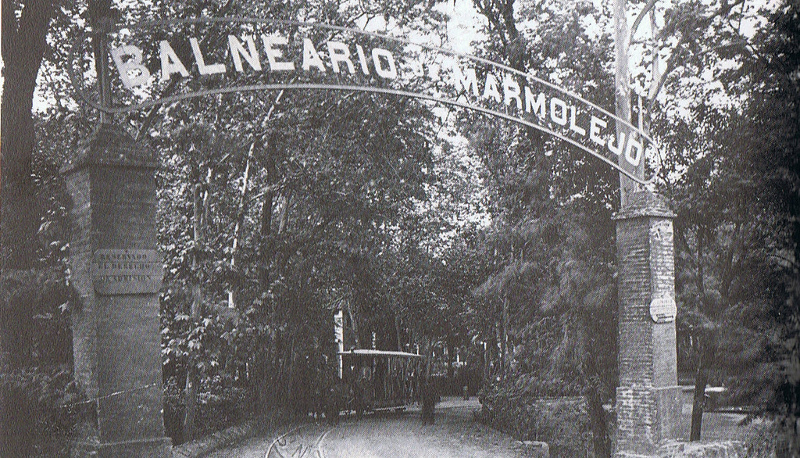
[(505, 336), (622, 97), (266, 245), (353, 323), (450, 352), (597, 420), (266, 230), (501, 357), (279, 365), (595, 388), (701, 380), (290, 377), (267, 208), (23, 46), (397, 332), (284, 221), (700, 279), (486, 365), (264, 355), (199, 201), (261, 355), (238, 231)]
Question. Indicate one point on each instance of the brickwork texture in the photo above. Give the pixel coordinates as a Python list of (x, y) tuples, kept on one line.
[(647, 396), (116, 338)]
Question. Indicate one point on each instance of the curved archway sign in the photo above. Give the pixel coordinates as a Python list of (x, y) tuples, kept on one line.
[(225, 55)]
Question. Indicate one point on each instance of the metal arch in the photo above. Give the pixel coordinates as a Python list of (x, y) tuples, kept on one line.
[(378, 90), (78, 81), (212, 20)]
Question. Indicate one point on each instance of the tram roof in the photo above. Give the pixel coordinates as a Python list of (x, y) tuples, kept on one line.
[(367, 352)]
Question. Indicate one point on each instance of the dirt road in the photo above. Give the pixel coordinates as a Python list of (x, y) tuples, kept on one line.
[(390, 434)]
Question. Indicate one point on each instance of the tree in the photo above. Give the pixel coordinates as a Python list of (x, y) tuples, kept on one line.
[(542, 280), (768, 132), (35, 340), (732, 230), (324, 190), (23, 48)]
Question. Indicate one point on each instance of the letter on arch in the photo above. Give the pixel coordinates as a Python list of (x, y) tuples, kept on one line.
[(131, 71), (536, 105), (339, 52), (511, 91), (558, 111), (390, 72), (204, 69), (490, 88), (170, 62), (274, 54), (311, 56), (629, 154), (238, 51), (466, 79)]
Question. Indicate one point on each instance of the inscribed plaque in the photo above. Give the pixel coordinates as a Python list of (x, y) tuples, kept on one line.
[(663, 309), (120, 271)]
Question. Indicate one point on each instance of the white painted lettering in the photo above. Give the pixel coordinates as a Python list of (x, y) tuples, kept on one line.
[(204, 69), (238, 51), (536, 106), (572, 126), (274, 54), (490, 88), (633, 144), (558, 111), (511, 91), (594, 130), (311, 56), (339, 52), (465, 80), (618, 148), (362, 60), (390, 72), (170, 62), (131, 70)]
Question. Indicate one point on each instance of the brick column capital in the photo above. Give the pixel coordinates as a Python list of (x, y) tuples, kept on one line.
[(645, 204), (111, 145)]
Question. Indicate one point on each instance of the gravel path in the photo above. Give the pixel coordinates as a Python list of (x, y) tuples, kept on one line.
[(389, 434)]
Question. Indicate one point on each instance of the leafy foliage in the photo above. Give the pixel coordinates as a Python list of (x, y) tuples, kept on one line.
[(45, 406), (562, 423)]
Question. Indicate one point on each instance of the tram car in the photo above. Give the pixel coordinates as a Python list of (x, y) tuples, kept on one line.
[(381, 380)]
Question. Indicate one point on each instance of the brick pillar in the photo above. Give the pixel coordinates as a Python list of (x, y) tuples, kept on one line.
[(116, 271), (647, 396)]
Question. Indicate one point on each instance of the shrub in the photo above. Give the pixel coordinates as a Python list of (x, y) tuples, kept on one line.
[(760, 438), (218, 407), (40, 411), (561, 422)]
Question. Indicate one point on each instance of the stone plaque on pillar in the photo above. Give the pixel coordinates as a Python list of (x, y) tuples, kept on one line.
[(126, 271), (115, 268), (647, 396)]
